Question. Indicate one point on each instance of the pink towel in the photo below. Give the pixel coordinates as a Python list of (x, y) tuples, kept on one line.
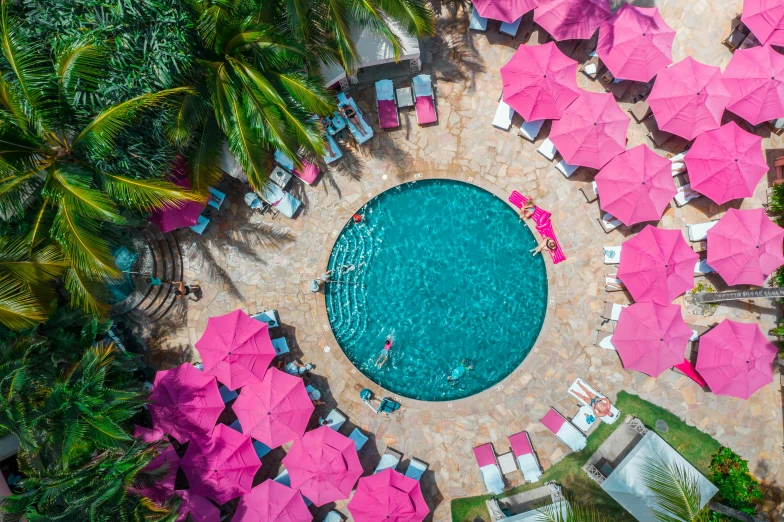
[(521, 445), (387, 114), (425, 109), (485, 456), (690, 371), (309, 172), (543, 224), (553, 421)]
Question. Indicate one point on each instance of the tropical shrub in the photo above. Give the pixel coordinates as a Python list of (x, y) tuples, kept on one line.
[(738, 488)]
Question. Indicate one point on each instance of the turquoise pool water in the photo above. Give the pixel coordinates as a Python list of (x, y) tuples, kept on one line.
[(444, 267)]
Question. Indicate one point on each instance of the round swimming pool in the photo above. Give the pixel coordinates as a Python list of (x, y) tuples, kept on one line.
[(443, 267)]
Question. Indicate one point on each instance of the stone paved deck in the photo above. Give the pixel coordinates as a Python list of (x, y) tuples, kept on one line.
[(257, 264)]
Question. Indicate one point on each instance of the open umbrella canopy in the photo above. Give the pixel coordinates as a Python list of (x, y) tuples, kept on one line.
[(199, 508), (745, 247), (571, 19), (726, 163), (635, 43), (236, 349), (323, 465), (272, 502), (657, 265), (688, 98), (504, 10), (651, 338), (755, 79), (765, 18), (636, 186), (388, 497), (736, 359), (164, 488), (591, 131), (539, 82), (185, 402), (221, 467), (276, 410)]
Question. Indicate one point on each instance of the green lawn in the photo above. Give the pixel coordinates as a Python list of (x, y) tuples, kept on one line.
[(695, 446)]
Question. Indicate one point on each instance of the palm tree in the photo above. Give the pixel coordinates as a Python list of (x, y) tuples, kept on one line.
[(676, 492), (56, 171)]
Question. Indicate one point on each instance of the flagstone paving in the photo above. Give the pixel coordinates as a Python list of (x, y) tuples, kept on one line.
[(258, 263)]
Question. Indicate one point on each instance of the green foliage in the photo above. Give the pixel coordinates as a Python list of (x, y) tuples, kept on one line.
[(738, 488), (776, 201), (675, 492)]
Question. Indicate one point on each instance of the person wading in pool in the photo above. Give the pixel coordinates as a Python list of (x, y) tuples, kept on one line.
[(457, 373), (384, 355)]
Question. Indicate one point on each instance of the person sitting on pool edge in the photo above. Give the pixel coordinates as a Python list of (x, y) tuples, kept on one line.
[(384, 355), (527, 210), (546, 244), (464, 366)]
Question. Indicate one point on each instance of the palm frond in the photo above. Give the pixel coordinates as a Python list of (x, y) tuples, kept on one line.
[(368, 14), (16, 191), (204, 157), (19, 307), (414, 16), (184, 117), (308, 93), (339, 18), (11, 103), (676, 495), (79, 67), (146, 194), (69, 182), (39, 225), (40, 267), (84, 293), (244, 144)]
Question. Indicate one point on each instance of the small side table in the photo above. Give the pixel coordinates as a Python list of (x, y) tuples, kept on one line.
[(405, 97), (280, 176), (507, 463)]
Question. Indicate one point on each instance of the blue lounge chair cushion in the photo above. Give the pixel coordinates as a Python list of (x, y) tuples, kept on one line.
[(333, 516), (227, 394), (216, 198), (338, 153), (284, 161), (270, 317), (337, 418), (478, 22), (200, 225), (511, 29), (280, 345), (261, 448), (416, 468), (359, 438), (280, 199)]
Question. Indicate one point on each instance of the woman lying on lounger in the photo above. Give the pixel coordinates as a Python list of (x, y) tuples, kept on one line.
[(384, 355), (545, 244), (351, 115), (600, 405)]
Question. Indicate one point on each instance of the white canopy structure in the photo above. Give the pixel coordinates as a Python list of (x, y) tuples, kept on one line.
[(625, 485)]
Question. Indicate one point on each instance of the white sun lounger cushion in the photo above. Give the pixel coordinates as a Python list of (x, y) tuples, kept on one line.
[(571, 436), (511, 29), (610, 222), (678, 158), (615, 313), (678, 167), (565, 168), (338, 153), (529, 467), (606, 343), (388, 460), (612, 281), (590, 70), (281, 200), (699, 231), (284, 161), (612, 255), (702, 267), (685, 194), (575, 389), (503, 116), (494, 482), (478, 22), (530, 129), (547, 149)]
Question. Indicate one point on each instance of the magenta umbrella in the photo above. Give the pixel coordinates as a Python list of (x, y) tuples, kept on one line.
[(651, 338), (591, 131), (147, 434), (726, 163), (689, 98), (199, 508), (765, 18), (736, 359), (323, 465), (539, 82), (635, 43), (755, 79), (221, 467), (185, 402), (272, 502), (164, 488), (745, 247), (571, 19), (276, 410), (185, 214), (636, 186), (388, 497), (236, 349), (657, 265), (504, 10)]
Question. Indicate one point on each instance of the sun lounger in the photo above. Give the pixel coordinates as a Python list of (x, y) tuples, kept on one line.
[(612, 311), (227, 395), (547, 149), (640, 110), (338, 153), (609, 222), (390, 459), (489, 467), (565, 168), (359, 438), (503, 116), (216, 198), (201, 225), (425, 100), (678, 158), (659, 137), (529, 130), (699, 231), (702, 267), (478, 22), (589, 192), (575, 391), (416, 468), (280, 345), (564, 430), (270, 317), (612, 255), (591, 67), (361, 138), (335, 419), (387, 108), (309, 172), (526, 459), (543, 225), (284, 161), (284, 202), (511, 29), (612, 284), (604, 340), (333, 516)]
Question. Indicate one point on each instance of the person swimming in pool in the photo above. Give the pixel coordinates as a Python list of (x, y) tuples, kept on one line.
[(464, 366), (384, 355)]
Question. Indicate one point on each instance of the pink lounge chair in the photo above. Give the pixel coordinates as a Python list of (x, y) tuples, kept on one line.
[(564, 430), (688, 369), (543, 224), (425, 102), (309, 172), (524, 454), (489, 467), (387, 109)]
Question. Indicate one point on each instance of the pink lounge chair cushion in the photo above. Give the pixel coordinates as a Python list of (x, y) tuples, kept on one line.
[(425, 109), (543, 224), (309, 172), (553, 421), (690, 371), (521, 445), (485, 455), (387, 114)]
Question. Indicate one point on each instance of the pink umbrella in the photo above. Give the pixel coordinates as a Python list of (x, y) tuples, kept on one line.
[(635, 43), (755, 79), (765, 18), (199, 508), (185, 402), (162, 490), (636, 186), (147, 434), (745, 247), (221, 467), (539, 82), (275, 411), (688, 98), (736, 359), (726, 163), (388, 497), (504, 10), (272, 502), (650, 338), (184, 215), (323, 465), (591, 131), (657, 265), (236, 348), (571, 19)]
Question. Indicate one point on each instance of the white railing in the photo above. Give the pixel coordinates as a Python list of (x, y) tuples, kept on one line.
[(594, 473)]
